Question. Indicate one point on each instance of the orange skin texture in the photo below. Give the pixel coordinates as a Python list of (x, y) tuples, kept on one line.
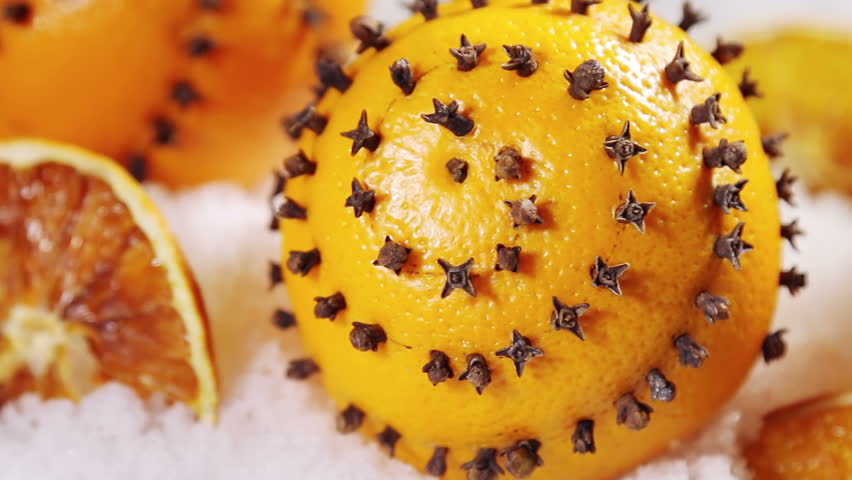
[(810, 440), (96, 73), (578, 188)]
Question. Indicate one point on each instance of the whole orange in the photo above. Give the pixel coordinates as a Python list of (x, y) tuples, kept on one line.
[(524, 249), (186, 91)]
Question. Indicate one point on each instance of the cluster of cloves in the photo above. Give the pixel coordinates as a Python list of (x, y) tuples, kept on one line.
[(586, 78)]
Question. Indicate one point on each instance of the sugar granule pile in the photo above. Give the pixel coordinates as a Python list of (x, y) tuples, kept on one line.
[(273, 428)]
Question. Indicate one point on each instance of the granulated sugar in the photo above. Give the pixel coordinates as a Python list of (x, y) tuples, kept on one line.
[(274, 428)]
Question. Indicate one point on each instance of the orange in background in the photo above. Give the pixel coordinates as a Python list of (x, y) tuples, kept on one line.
[(808, 440), (186, 91)]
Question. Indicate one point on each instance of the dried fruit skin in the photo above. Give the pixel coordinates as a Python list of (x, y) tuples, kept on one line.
[(242, 66), (562, 213)]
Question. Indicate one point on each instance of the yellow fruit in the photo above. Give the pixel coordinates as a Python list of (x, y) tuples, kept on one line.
[(534, 169), (802, 77), (184, 91), (93, 287), (809, 440)]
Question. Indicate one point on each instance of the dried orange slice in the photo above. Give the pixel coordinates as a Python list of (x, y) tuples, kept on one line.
[(93, 287)]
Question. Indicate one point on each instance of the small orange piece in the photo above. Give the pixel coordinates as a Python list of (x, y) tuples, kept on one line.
[(102, 74), (470, 157), (808, 440), (93, 288)]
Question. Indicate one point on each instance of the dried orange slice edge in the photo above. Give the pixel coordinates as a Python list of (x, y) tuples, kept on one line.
[(181, 368)]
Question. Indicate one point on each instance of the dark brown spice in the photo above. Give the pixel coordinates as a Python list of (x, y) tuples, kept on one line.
[(708, 112), (137, 165), (301, 369), (210, 4), (388, 438), (633, 211), (274, 274), (478, 372), (437, 464), (715, 307), (790, 231), (438, 368), (458, 169), (584, 437), (730, 247), (479, 3), (691, 17), (641, 22), (306, 118), (589, 76), (774, 346), (691, 354), (402, 75), (540, 2), (366, 336), (632, 413), (520, 351), (679, 68), (784, 186), (458, 277), (793, 280), (484, 466), (370, 32), (165, 131), (283, 319), (727, 52), (448, 117), (331, 74), (521, 60), (292, 210), (728, 154), (661, 388), (200, 45), (363, 136), (350, 419), (582, 6), (565, 317), (508, 164), (522, 458), (18, 12), (428, 8), (301, 263), (299, 164), (772, 144), (392, 256), (524, 212), (313, 16), (184, 94), (748, 87), (606, 276), (329, 307), (361, 200), (622, 148), (728, 196), (508, 258), (467, 55)]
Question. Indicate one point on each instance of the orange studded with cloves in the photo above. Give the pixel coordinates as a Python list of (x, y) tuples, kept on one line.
[(549, 238)]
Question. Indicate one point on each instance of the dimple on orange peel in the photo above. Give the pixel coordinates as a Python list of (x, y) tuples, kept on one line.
[(533, 238)]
